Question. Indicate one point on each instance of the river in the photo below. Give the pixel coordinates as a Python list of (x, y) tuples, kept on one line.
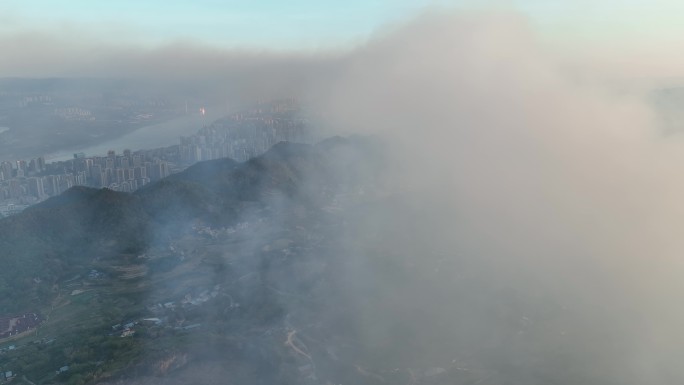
[(147, 137)]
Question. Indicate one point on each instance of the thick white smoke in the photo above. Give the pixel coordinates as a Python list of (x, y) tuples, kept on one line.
[(560, 186)]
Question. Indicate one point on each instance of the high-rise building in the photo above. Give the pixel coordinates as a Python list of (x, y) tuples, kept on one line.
[(137, 160), (7, 170), (88, 167), (35, 186), (14, 188), (51, 185), (33, 166), (80, 179), (137, 172), (109, 177), (120, 175), (96, 176), (22, 165)]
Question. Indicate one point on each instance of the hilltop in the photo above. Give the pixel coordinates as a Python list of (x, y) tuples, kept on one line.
[(199, 253), (54, 239)]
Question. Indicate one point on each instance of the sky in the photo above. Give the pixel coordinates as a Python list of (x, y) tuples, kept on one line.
[(309, 24), (633, 39), (266, 24)]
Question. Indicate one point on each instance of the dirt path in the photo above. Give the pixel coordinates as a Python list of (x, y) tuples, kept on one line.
[(290, 342)]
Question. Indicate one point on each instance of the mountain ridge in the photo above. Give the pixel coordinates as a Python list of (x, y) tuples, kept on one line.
[(83, 221)]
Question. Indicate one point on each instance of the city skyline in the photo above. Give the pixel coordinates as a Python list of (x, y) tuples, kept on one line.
[(240, 136)]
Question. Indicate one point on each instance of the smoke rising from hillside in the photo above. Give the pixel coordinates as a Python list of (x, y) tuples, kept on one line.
[(558, 187), (537, 216), (534, 213)]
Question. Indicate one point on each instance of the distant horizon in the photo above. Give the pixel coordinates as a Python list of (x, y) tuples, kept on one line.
[(634, 40), (307, 24)]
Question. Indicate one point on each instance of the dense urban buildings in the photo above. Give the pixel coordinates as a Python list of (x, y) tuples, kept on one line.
[(244, 135), (240, 136), (24, 183)]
